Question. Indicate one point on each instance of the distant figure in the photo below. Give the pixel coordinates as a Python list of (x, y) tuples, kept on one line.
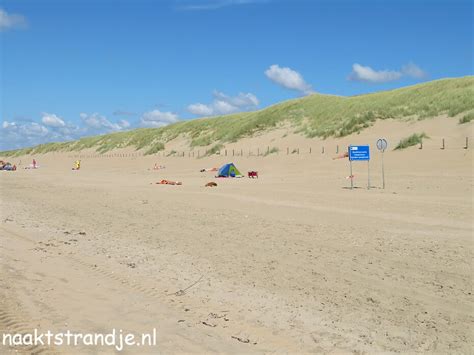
[(169, 182), (341, 156), (77, 165), (34, 164)]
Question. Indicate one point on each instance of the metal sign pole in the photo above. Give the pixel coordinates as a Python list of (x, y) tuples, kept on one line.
[(350, 175), (383, 172), (368, 174), (382, 145)]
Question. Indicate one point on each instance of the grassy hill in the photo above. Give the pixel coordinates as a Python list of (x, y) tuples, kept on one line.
[(313, 116)]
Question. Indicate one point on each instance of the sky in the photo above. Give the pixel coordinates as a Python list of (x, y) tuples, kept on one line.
[(73, 68)]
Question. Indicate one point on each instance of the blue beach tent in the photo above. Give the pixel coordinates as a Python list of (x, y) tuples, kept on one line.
[(228, 170)]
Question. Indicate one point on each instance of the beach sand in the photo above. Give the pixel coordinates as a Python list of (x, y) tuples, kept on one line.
[(293, 261)]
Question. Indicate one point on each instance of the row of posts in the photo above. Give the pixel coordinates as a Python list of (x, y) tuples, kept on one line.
[(443, 145), (235, 152)]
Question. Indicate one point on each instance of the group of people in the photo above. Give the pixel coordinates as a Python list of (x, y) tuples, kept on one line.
[(5, 165)]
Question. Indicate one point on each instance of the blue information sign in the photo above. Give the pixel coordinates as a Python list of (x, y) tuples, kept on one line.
[(359, 152)]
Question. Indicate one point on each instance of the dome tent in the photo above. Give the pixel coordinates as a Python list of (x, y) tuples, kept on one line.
[(228, 170)]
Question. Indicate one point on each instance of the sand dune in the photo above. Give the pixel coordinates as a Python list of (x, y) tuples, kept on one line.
[(291, 262)]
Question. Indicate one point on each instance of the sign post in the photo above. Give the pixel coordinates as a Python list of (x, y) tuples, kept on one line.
[(360, 153), (382, 145)]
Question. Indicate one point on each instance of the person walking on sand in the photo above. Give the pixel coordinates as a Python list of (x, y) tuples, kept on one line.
[(34, 164)]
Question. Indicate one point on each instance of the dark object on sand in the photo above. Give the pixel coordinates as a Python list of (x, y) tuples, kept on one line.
[(253, 174), (211, 184)]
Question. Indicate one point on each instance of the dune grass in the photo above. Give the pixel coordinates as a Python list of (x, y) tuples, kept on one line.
[(272, 150), (468, 117), (216, 149), (312, 116), (414, 139)]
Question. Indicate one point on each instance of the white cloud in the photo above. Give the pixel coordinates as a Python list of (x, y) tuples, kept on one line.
[(288, 78), (214, 4), (52, 120), (156, 118), (201, 109), (414, 71), (11, 21), (99, 123), (367, 74), (224, 104), (124, 123)]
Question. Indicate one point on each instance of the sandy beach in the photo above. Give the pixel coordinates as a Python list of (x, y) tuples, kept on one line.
[(293, 261)]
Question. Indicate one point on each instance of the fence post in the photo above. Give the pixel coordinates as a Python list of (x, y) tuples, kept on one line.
[(421, 145), (322, 151), (442, 146), (337, 148), (309, 150), (467, 143)]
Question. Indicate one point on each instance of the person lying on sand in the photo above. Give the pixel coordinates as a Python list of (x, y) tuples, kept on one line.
[(208, 169), (342, 156), (8, 166), (158, 167), (169, 182), (77, 165)]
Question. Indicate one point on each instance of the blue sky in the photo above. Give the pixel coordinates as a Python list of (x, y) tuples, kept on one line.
[(71, 68)]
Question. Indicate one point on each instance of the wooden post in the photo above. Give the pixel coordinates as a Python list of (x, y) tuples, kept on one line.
[(309, 150), (241, 152), (232, 152), (226, 152), (337, 148), (442, 146), (467, 143), (322, 151), (421, 145)]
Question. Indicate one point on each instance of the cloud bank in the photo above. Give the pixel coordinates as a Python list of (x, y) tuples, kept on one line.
[(52, 128)]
